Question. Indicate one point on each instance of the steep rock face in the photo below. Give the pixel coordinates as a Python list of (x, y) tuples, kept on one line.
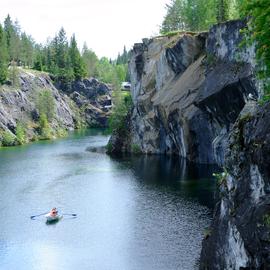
[(94, 99), (240, 233), (88, 101), (179, 87), (19, 104)]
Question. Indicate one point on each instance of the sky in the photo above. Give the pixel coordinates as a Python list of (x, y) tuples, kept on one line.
[(105, 25)]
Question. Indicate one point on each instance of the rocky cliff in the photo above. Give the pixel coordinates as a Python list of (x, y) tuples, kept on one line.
[(88, 102), (188, 90), (240, 234)]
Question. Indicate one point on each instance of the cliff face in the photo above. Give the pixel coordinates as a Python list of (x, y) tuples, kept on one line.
[(180, 85), (89, 102), (240, 234)]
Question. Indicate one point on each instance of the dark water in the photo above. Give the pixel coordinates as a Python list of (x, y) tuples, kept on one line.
[(133, 213)]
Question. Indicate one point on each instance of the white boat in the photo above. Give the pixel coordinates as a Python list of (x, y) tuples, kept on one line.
[(51, 218)]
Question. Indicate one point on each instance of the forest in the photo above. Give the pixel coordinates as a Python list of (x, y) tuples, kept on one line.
[(59, 57)]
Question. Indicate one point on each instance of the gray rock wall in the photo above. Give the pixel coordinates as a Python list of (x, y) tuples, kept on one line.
[(239, 237), (188, 90), (88, 101)]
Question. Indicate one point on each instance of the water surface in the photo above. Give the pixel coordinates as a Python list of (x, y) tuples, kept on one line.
[(133, 213)]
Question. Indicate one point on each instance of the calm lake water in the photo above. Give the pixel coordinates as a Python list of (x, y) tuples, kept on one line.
[(140, 213)]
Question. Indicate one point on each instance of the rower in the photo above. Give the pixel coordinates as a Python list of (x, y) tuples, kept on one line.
[(53, 212)]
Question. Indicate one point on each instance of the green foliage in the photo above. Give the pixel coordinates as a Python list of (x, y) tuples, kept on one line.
[(3, 56), (197, 15), (192, 15), (61, 132), (60, 58), (222, 7), (79, 69), (91, 61), (13, 74), (207, 232), (20, 134), (221, 177), (135, 149), (266, 220), (8, 138), (109, 147), (45, 130), (46, 104), (122, 104), (258, 13)]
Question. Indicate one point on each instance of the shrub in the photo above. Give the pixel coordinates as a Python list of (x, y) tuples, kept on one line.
[(20, 134), (122, 104), (45, 130), (46, 104), (61, 132), (8, 138), (221, 177), (109, 147), (135, 149)]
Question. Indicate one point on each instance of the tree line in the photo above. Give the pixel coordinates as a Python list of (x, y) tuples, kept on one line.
[(198, 15), (59, 56)]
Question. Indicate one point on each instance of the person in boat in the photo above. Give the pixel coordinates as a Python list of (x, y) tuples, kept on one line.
[(53, 212)]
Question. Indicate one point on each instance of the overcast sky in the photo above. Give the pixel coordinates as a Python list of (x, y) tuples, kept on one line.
[(105, 25)]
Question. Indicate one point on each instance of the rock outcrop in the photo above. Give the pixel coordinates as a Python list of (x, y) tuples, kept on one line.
[(94, 99), (89, 101), (239, 237), (188, 90)]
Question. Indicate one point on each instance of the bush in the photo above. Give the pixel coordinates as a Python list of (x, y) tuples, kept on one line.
[(61, 132), (20, 134), (8, 138), (45, 130), (109, 147), (135, 149), (46, 104), (122, 104)]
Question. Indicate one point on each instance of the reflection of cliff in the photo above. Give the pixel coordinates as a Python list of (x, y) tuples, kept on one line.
[(190, 180), (188, 91)]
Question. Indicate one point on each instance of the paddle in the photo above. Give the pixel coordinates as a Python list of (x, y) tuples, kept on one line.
[(38, 215), (74, 215)]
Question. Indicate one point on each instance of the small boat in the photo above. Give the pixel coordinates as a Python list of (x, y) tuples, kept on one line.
[(52, 218)]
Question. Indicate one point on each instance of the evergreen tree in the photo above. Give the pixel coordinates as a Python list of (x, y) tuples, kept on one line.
[(27, 50), (3, 56), (191, 15), (222, 10), (79, 69), (174, 19), (12, 32), (90, 60)]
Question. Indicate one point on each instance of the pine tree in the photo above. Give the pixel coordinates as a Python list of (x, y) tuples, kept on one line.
[(3, 56), (12, 32), (222, 10), (77, 63), (90, 60), (27, 50)]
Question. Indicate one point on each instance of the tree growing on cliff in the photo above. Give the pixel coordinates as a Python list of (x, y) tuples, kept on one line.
[(258, 14), (78, 66), (46, 104), (190, 15)]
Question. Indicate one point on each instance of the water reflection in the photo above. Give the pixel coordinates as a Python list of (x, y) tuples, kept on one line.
[(189, 179)]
